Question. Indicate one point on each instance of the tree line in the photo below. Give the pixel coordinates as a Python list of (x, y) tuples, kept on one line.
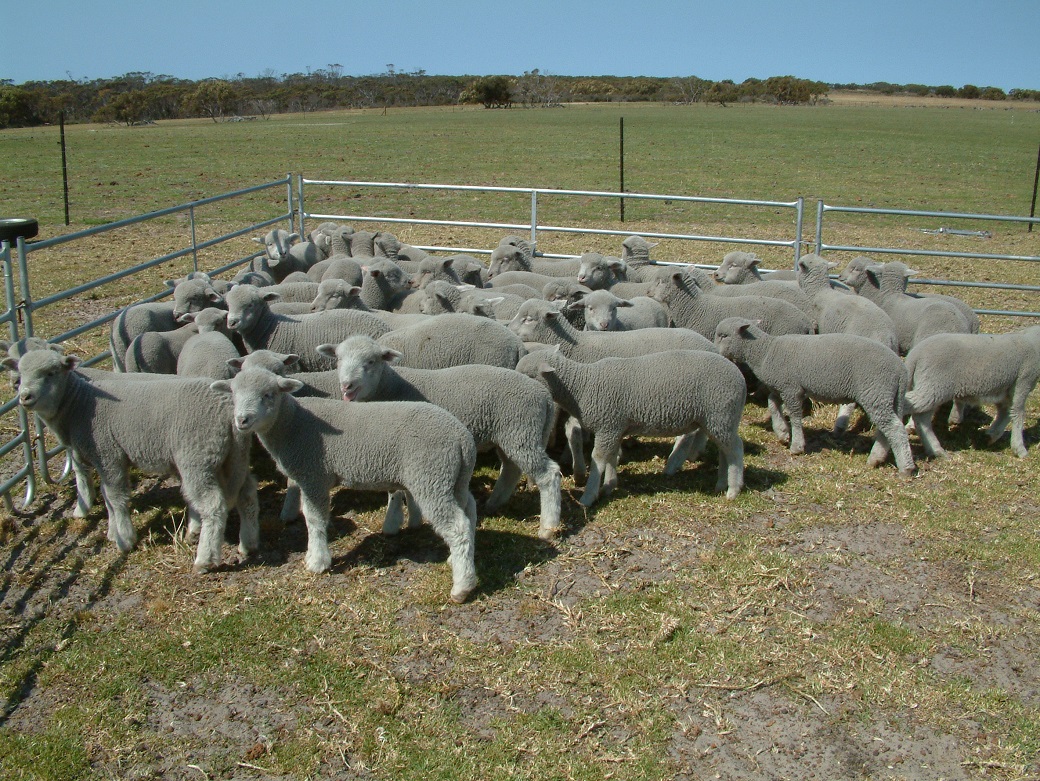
[(139, 97)]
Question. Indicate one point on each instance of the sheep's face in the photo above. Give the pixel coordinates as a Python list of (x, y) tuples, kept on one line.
[(194, 295), (360, 363), (433, 270), (334, 294), (246, 306), (257, 396), (43, 375), (534, 320), (276, 244), (506, 257), (731, 337)]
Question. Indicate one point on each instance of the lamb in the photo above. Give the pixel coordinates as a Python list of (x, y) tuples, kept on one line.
[(454, 340), (276, 243), (689, 307), (826, 367), (1000, 369), (363, 244), (684, 393), (207, 353), (635, 252), (470, 270), (542, 321), (915, 319), (385, 285), (516, 254), (190, 294), (260, 328), (500, 409), (853, 276), (433, 268), (736, 283), (569, 294), (606, 312), (741, 268), (841, 313), (157, 352), (529, 278), (317, 443), (439, 297), (163, 426)]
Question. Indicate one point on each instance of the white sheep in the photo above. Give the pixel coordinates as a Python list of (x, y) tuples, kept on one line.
[(836, 368), (319, 443), (162, 426), (1000, 369), (454, 339), (690, 307), (501, 410), (606, 312), (542, 321), (207, 353), (250, 315), (516, 254), (687, 394)]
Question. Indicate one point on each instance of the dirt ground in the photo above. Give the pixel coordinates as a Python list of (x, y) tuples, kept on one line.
[(57, 571)]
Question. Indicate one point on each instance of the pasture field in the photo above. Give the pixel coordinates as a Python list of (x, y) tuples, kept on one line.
[(832, 622)]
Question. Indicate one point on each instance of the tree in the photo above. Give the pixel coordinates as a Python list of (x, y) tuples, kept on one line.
[(691, 89), (722, 92), (16, 108), (214, 98), (969, 91), (492, 91)]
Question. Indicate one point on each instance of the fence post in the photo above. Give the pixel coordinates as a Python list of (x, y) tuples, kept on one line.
[(534, 220), (1036, 181), (621, 164), (64, 165)]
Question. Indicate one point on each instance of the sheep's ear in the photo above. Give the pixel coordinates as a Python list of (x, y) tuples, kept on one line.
[(187, 317), (624, 302), (874, 272), (677, 276), (354, 291), (259, 239), (291, 360), (831, 264), (235, 364), (464, 288), (573, 306), (69, 362), (744, 328), (171, 282), (910, 272), (293, 237), (544, 369), (445, 264), (289, 385), (495, 300), (552, 314), (270, 295), (391, 356), (617, 265), (328, 350), (214, 297), (221, 386), (10, 363)]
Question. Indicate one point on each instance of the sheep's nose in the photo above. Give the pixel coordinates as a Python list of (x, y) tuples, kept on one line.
[(26, 398), (242, 421)]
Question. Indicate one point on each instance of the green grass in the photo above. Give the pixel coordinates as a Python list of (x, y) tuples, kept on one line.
[(841, 596)]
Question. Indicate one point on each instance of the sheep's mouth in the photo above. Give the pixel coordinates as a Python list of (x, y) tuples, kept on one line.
[(350, 394), (27, 403)]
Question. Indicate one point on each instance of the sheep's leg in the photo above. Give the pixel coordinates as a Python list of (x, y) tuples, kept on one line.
[(923, 424), (576, 445), (394, 518), (415, 516), (508, 479), (85, 492), (546, 475), (958, 410), (845, 412), (247, 503), (776, 415), (890, 436), (1018, 418), (604, 452), (203, 493), (454, 518), (315, 503), (794, 412), (115, 487), (687, 446), (731, 466), (291, 504), (1000, 421)]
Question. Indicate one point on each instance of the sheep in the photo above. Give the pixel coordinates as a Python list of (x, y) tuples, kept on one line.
[(317, 443), (741, 268), (260, 328), (852, 276), (251, 277), (606, 312), (529, 278), (156, 352), (363, 244), (385, 245), (736, 283), (689, 307), (826, 367), (470, 270), (433, 268), (500, 409), (190, 294), (915, 319), (635, 252), (683, 393), (516, 254), (439, 297), (164, 426), (841, 313), (1000, 369), (206, 354), (385, 285), (453, 340), (276, 243), (569, 294), (542, 321)]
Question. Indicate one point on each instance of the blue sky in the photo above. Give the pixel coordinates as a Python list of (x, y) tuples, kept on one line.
[(956, 42)]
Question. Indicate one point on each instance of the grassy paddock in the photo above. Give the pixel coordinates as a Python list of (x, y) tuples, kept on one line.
[(831, 621)]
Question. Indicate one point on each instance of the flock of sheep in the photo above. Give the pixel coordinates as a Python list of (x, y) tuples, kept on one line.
[(359, 361)]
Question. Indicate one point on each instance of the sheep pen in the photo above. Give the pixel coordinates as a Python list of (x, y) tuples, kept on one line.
[(829, 620)]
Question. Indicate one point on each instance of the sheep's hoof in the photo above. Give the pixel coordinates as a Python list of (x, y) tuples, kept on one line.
[(201, 569), (549, 534)]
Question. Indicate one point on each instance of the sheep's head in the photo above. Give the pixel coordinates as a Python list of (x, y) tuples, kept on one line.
[(257, 397), (360, 364)]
